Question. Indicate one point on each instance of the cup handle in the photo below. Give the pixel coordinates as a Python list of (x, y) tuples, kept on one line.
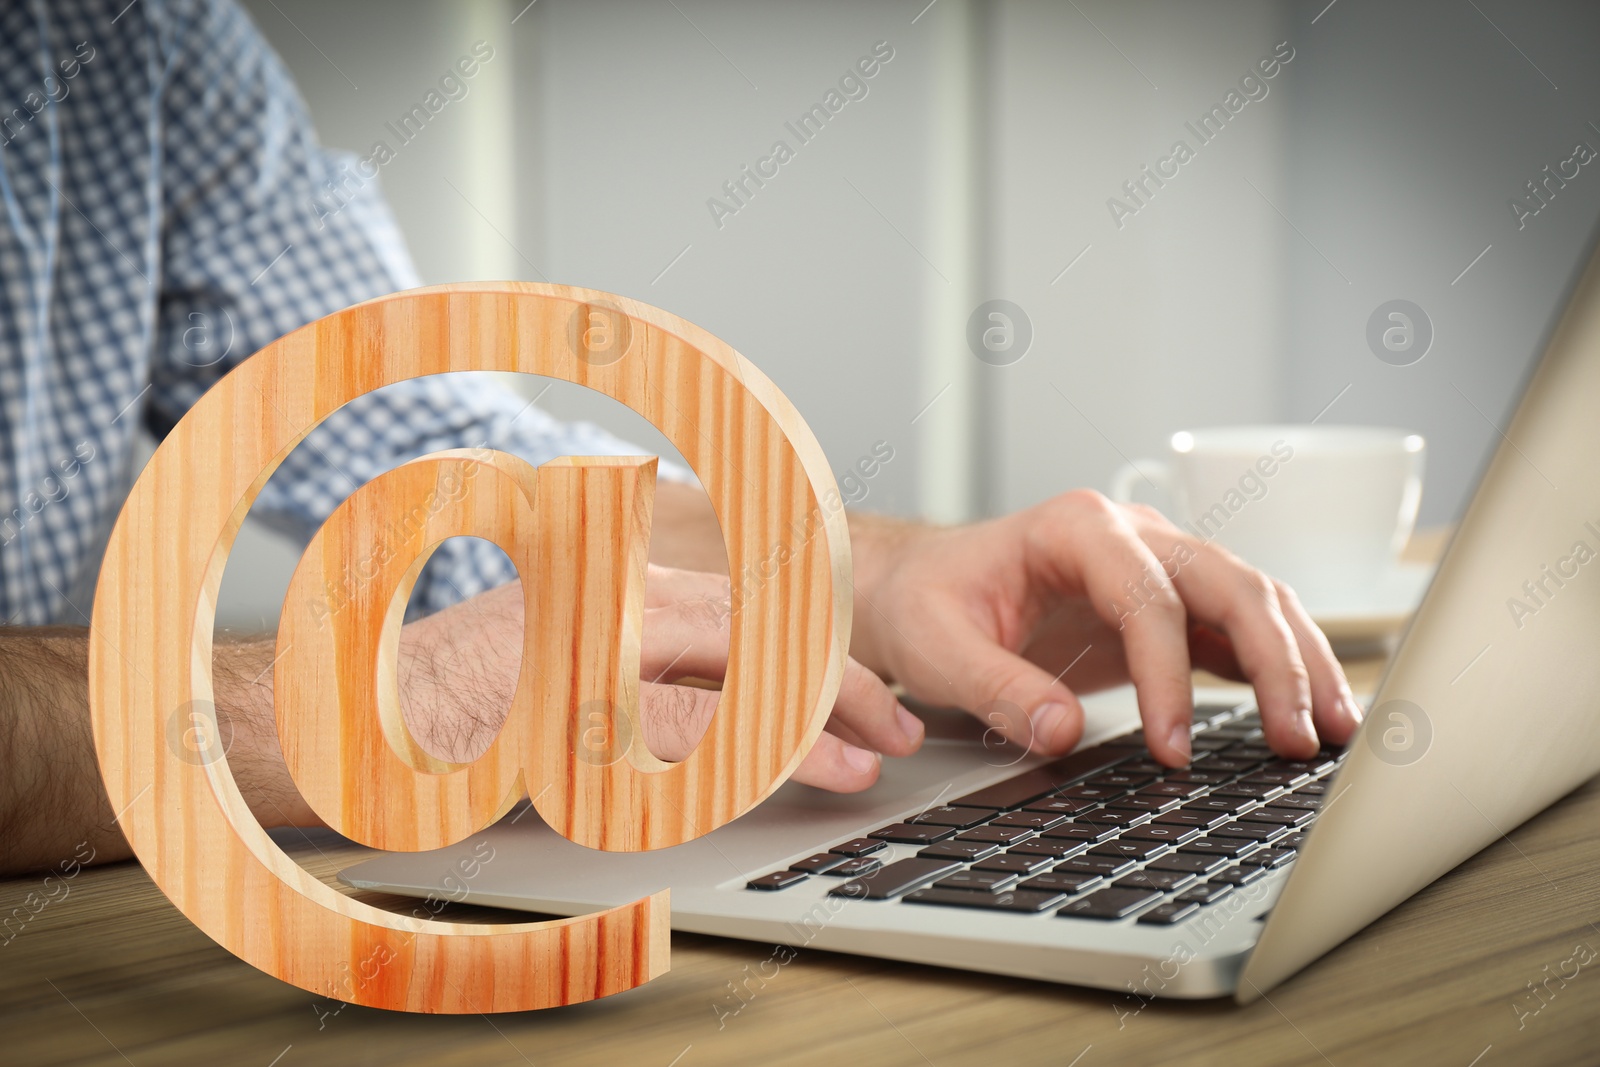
[(1155, 472)]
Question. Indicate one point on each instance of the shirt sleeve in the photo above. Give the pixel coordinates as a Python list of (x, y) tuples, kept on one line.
[(264, 231)]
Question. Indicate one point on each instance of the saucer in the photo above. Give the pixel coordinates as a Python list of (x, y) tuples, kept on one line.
[(1368, 626)]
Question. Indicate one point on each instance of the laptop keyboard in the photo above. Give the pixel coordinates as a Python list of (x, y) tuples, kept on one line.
[(1102, 834)]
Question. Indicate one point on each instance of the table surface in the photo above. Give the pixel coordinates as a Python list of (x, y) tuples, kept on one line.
[(106, 971)]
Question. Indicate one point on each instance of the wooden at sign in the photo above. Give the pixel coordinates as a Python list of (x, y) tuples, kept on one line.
[(577, 530)]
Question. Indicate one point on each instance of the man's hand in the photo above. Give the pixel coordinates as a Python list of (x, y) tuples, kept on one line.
[(460, 663), (1011, 618), (1007, 618)]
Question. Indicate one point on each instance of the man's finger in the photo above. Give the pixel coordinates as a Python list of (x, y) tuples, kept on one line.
[(1010, 695), (664, 585), (674, 719), (838, 766), (1210, 650), (1333, 708), (1233, 597), (686, 638), (1097, 549), (873, 715)]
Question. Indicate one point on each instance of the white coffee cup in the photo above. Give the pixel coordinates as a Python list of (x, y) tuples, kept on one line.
[(1326, 509)]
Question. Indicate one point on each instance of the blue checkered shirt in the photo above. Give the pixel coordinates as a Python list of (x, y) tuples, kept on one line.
[(161, 184)]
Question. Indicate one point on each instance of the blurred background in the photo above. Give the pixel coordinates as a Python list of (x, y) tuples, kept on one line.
[(986, 159)]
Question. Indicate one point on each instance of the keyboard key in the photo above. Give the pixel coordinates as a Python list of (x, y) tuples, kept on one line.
[(1247, 790), (822, 861), (1249, 831), (1294, 800), (1199, 777), (1270, 857), (1217, 802), (959, 818), (975, 881), (906, 833), (1277, 816), (1080, 831), (1129, 740), (1211, 711), (1215, 714), (1200, 820), (1171, 789), (1103, 817), (1014, 863), (1058, 805), (1135, 850), (1109, 903), (996, 835), (1260, 753), (1203, 743), (1188, 862), (856, 867), (1085, 762), (1167, 914), (1165, 832), (1011, 793), (1283, 778), (1238, 875), (1311, 789), (1030, 820), (861, 846), (1204, 893), (1223, 765), (965, 851), (1049, 778), (776, 880), (1076, 766), (1119, 779), (1105, 866), (1293, 841), (1005, 900), (1143, 802), (1143, 766), (1063, 882), (897, 878), (1052, 847), (1314, 765), (1164, 881), (1219, 846), (1096, 793)]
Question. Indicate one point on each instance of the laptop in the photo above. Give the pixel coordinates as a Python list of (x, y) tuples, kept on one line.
[(1106, 869)]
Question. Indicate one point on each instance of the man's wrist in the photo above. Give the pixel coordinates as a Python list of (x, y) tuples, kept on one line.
[(247, 726), (878, 544)]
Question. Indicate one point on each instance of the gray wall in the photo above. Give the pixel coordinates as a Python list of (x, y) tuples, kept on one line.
[(978, 166), (1173, 318), (1415, 126)]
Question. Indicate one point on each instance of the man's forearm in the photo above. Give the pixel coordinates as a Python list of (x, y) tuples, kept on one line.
[(875, 543), (51, 797), (51, 800)]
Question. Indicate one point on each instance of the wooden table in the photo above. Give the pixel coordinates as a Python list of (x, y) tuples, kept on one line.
[(108, 972)]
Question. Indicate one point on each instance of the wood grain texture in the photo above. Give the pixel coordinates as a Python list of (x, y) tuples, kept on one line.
[(576, 531)]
